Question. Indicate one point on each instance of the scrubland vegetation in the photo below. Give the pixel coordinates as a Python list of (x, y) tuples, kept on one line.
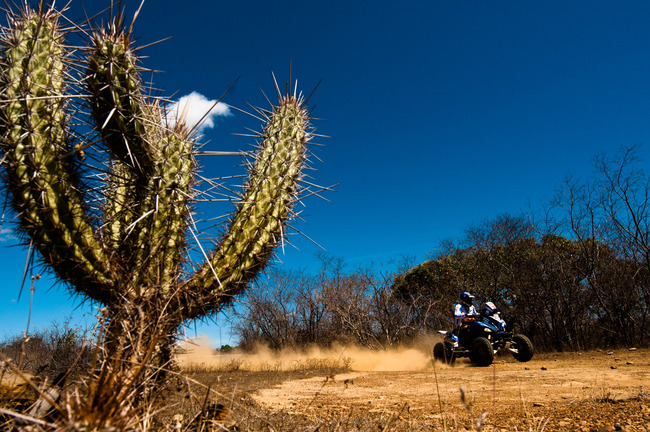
[(101, 188), (572, 274)]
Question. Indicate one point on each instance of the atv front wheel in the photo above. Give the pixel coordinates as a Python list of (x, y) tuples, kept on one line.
[(482, 353), (444, 353), (523, 348)]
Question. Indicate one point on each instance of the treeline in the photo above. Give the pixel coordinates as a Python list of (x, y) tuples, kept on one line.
[(297, 309), (563, 294), (573, 275)]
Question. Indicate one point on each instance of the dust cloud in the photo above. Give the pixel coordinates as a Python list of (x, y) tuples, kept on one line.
[(199, 353)]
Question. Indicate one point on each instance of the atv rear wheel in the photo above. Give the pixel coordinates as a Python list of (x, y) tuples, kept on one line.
[(444, 353), (482, 353), (523, 348)]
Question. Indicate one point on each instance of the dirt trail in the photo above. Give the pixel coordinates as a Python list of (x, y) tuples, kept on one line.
[(544, 381), (590, 391)]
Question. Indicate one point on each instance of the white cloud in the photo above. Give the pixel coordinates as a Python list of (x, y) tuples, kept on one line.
[(194, 108), (6, 234)]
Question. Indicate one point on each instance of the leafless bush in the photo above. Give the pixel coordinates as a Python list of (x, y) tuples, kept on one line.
[(50, 352), (296, 309)]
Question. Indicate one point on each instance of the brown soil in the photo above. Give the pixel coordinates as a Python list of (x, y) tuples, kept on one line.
[(352, 389), (590, 391), (608, 390)]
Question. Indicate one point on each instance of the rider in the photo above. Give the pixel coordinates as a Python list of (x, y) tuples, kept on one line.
[(463, 313), (464, 308)]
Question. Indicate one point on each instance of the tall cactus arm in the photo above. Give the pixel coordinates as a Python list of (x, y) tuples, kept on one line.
[(169, 192), (152, 170), (127, 123), (124, 118), (39, 170), (118, 211), (259, 224)]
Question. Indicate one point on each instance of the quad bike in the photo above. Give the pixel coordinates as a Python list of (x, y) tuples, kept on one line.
[(479, 337)]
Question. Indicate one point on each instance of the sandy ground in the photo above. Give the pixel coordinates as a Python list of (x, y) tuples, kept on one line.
[(404, 390), (591, 391), (618, 375), (548, 387)]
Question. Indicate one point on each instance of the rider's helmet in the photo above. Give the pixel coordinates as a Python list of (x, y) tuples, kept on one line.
[(466, 298)]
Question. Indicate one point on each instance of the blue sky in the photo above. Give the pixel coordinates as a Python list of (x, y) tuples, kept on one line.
[(441, 114)]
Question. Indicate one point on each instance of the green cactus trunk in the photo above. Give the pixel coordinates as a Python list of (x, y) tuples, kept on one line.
[(128, 254)]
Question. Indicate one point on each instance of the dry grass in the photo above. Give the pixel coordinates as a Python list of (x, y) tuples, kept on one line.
[(204, 397), (235, 363)]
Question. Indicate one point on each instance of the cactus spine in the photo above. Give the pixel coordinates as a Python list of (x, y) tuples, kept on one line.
[(129, 254)]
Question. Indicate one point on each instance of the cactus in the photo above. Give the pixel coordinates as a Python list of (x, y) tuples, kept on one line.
[(127, 253)]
